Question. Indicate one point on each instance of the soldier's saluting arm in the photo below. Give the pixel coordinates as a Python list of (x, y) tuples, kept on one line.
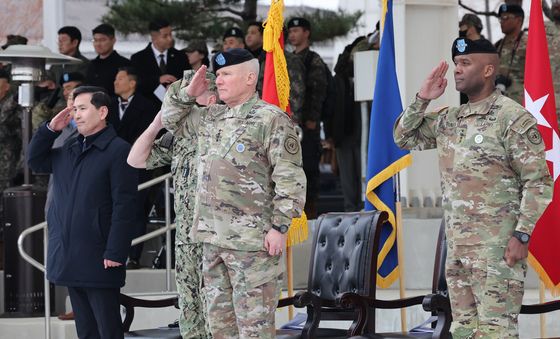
[(415, 129), (180, 115)]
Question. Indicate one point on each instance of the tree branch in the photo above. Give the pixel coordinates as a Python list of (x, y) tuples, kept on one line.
[(475, 11)]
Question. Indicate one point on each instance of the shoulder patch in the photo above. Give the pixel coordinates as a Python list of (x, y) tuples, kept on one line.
[(291, 144), (534, 136)]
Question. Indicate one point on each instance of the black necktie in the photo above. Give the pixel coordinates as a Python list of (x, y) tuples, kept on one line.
[(124, 105), (162, 65)]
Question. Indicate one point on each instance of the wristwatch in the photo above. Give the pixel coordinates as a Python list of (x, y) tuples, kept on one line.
[(522, 237), (282, 228)]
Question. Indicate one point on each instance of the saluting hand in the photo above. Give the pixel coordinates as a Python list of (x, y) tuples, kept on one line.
[(199, 83), (61, 120), (434, 86)]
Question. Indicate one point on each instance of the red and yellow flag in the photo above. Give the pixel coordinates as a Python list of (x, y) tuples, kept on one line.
[(544, 255), (276, 89)]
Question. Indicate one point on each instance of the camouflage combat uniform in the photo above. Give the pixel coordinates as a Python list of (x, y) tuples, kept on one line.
[(315, 94), (296, 73), (249, 178), (181, 155), (494, 181), (553, 37), (512, 64), (10, 141)]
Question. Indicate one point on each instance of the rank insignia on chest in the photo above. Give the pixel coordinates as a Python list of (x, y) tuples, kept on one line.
[(240, 148)]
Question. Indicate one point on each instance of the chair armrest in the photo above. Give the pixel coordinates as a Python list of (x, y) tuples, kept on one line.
[(439, 304), (541, 308), (301, 299), (129, 303)]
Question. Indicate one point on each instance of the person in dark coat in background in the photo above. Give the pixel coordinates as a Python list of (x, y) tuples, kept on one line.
[(89, 228), (159, 63), (103, 69), (130, 114)]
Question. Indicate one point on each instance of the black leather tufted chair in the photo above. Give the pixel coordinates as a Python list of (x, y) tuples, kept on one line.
[(130, 303), (343, 259), (437, 303)]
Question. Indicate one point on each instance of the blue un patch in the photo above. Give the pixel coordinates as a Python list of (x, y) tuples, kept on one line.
[(220, 60)]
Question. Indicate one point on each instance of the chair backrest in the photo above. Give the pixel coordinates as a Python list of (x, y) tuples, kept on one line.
[(344, 254)]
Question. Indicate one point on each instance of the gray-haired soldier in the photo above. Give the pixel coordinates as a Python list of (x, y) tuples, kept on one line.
[(250, 185)]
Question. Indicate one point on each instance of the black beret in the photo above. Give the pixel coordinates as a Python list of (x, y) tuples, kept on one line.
[(234, 32), (233, 56), (72, 76), (299, 22), (513, 9), (463, 46)]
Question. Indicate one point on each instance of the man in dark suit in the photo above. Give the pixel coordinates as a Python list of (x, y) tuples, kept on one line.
[(103, 69), (89, 228), (130, 114), (159, 63)]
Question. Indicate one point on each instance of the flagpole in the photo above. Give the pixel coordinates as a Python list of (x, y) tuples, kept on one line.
[(542, 316), (290, 272), (400, 247)]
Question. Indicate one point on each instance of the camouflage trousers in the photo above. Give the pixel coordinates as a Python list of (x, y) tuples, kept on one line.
[(188, 276), (241, 290), (485, 293)]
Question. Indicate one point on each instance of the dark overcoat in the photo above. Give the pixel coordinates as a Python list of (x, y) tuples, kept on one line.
[(88, 220)]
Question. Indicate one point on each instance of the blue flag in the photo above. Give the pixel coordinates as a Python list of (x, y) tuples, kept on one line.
[(385, 159)]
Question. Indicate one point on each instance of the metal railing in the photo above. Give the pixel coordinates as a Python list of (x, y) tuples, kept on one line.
[(43, 226)]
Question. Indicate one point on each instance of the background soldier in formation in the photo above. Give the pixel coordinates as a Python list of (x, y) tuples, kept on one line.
[(10, 135), (250, 185), (511, 49), (181, 154), (495, 185), (299, 31)]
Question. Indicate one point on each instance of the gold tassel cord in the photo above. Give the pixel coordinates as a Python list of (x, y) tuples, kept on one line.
[(298, 231), (272, 31)]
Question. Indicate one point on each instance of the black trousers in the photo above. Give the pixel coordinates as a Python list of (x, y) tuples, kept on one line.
[(97, 312)]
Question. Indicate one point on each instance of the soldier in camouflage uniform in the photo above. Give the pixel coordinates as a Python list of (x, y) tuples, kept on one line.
[(10, 134), (512, 49), (553, 37), (495, 185), (181, 154), (299, 32), (250, 185), (58, 99)]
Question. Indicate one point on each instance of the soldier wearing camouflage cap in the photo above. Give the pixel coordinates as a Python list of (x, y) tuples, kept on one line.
[(181, 153), (511, 49), (495, 185), (250, 185)]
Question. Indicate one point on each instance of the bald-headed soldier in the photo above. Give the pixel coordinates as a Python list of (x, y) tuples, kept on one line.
[(250, 185), (495, 185)]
